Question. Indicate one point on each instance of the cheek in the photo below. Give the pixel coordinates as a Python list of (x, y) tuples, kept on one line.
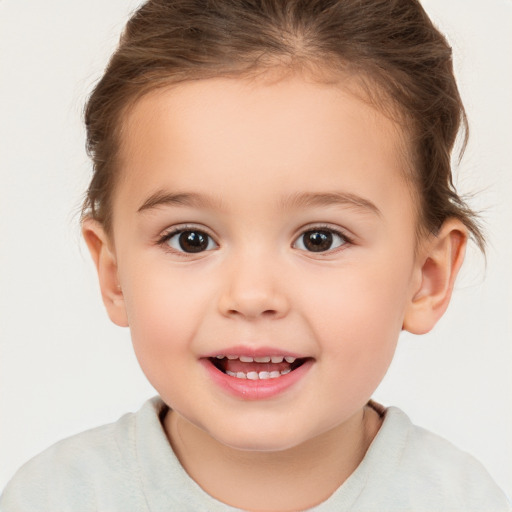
[(163, 313), (361, 298), (359, 316)]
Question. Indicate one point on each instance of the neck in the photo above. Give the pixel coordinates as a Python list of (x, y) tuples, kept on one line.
[(294, 479)]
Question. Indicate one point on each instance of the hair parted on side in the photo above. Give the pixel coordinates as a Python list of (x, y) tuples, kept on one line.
[(391, 44)]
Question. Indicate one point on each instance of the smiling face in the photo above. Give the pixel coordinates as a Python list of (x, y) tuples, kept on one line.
[(268, 220)]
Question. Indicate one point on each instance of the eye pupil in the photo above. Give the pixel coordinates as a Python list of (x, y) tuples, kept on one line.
[(318, 241), (193, 241)]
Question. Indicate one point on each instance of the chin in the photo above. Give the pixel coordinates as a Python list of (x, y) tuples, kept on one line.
[(260, 440), (260, 445)]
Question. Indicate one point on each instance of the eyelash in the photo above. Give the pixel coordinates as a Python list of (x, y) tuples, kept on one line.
[(164, 239), (346, 240)]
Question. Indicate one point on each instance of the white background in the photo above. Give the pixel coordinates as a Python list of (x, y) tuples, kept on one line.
[(64, 368)]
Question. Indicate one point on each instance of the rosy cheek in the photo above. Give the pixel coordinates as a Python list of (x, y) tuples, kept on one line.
[(357, 307)]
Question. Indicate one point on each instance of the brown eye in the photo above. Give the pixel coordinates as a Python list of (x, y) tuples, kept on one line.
[(191, 241), (319, 240)]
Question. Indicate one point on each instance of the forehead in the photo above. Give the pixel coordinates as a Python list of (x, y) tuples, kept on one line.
[(290, 134)]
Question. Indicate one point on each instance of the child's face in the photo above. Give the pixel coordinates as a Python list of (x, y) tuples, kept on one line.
[(292, 196)]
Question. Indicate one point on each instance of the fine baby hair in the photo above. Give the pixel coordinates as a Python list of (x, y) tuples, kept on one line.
[(391, 48), (271, 204)]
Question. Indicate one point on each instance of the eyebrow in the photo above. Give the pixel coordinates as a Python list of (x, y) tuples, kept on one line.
[(347, 199), (298, 200), (162, 198)]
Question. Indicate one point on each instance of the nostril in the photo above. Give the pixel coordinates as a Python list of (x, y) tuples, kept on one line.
[(252, 312), (253, 299)]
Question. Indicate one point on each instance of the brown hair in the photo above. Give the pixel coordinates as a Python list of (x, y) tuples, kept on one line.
[(391, 44)]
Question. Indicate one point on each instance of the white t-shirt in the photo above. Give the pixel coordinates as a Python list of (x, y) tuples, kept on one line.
[(129, 466)]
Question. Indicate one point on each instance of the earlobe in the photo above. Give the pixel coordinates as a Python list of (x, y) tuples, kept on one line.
[(438, 266), (104, 259)]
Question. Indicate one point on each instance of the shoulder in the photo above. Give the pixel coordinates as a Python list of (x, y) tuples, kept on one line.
[(73, 470), (424, 451), (422, 471)]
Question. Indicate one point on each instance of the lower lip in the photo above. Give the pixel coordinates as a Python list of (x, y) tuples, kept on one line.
[(260, 389)]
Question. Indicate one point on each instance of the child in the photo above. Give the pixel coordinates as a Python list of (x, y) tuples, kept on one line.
[(271, 205)]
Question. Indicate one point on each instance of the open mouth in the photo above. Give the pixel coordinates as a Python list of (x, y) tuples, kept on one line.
[(256, 368)]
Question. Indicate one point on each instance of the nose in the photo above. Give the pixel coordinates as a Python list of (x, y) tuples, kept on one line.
[(253, 289)]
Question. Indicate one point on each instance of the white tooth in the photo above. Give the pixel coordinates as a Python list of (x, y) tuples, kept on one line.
[(219, 357), (275, 374), (284, 372), (231, 374), (264, 375), (253, 376), (246, 359), (289, 359), (265, 359), (277, 359), (232, 357), (241, 375)]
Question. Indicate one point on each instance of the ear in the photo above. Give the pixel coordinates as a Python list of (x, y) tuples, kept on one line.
[(104, 258), (438, 266)]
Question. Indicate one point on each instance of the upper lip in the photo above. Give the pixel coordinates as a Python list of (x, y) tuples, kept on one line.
[(261, 359), (253, 352)]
